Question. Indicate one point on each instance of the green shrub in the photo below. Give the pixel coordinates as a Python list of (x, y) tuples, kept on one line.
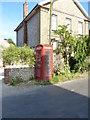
[(14, 55), (55, 79), (87, 39)]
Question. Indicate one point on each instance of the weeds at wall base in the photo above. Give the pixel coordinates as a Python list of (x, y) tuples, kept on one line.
[(55, 79)]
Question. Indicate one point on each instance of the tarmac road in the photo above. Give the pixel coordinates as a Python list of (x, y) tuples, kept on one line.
[(63, 100)]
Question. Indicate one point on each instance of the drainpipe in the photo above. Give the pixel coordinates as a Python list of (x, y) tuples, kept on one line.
[(50, 27)]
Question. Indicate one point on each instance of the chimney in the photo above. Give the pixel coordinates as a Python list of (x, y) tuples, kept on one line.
[(25, 9)]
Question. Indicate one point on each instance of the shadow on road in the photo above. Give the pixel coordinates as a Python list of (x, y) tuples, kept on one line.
[(46, 102)]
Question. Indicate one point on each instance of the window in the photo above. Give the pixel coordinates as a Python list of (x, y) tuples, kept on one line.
[(54, 22), (80, 28), (68, 22)]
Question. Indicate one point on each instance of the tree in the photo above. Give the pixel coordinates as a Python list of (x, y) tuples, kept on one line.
[(78, 45), (66, 45), (10, 41)]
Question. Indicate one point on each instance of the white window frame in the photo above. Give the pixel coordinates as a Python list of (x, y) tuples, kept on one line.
[(54, 22), (80, 28), (54, 44), (68, 22)]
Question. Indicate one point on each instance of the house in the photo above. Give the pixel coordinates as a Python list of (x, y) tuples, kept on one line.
[(3, 43), (34, 29)]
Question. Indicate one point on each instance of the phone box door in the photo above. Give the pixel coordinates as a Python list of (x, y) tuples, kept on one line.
[(48, 64)]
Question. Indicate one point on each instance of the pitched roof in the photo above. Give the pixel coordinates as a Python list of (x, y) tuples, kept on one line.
[(75, 1), (43, 2), (81, 8)]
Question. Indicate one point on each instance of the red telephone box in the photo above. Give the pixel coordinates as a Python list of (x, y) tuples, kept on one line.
[(44, 62)]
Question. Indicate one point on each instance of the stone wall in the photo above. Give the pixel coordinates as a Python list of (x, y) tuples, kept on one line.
[(23, 72)]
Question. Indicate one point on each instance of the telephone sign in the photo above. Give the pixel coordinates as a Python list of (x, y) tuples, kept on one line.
[(44, 62)]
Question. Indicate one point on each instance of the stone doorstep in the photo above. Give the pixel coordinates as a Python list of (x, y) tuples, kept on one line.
[(1, 73)]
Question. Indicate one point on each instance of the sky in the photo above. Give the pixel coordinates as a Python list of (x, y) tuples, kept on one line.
[(11, 14)]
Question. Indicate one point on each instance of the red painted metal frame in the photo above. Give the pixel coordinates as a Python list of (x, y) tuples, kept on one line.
[(40, 74)]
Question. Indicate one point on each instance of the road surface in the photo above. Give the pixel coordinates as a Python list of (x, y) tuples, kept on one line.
[(62, 100)]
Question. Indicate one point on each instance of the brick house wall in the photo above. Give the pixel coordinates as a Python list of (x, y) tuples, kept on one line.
[(33, 32), (20, 36)]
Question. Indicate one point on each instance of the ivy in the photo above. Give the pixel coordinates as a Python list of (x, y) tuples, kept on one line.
[(81, 51)]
